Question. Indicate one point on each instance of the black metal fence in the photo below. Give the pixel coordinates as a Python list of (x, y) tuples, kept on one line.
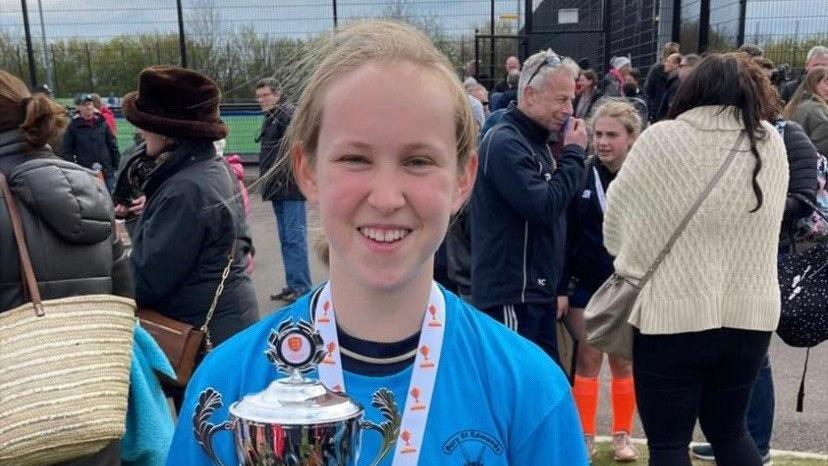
[(101, 46), (785, 29)]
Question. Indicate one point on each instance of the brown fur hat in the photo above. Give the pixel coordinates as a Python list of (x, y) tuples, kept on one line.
[(177, 103)]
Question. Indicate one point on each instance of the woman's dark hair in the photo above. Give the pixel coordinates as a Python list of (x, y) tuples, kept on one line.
[(589, 74), (38, 117), (731, 80)]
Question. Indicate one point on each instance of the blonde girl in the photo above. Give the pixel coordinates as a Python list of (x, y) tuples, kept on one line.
[(615, 126), (382, 144)]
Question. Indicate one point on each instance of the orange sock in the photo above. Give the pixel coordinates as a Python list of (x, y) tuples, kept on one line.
[(623, 404), (585, 393)]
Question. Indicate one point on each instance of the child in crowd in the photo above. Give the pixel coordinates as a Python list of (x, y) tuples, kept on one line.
[(614, 125), (383, 145)]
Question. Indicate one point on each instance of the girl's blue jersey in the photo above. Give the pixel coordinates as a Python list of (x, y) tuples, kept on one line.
[(499, 399)]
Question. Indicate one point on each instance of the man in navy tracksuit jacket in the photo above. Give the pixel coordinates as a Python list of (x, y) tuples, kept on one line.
[(518, 207)]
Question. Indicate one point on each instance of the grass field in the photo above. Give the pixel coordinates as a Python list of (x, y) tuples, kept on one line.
[(243, 131), (604, 458)]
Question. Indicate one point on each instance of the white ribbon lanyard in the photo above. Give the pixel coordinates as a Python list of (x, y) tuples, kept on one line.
[(423, 376), (599, 190)]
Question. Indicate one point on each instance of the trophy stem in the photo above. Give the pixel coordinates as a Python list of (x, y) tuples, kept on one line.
[(296, 377)]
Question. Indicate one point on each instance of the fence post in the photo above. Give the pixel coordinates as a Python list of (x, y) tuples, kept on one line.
[(182, 40), (50, 79), (704, 25), (491, 45), (89, 67), (335, 16), (29, 49), (607, 27), (476, 55), (55, 76), (528, 27), (675, 33), (740, 39)]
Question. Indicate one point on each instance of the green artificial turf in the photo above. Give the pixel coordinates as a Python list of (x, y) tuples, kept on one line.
[(240, 140)]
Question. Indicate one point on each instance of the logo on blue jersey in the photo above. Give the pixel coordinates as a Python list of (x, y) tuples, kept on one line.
[(472, 445)]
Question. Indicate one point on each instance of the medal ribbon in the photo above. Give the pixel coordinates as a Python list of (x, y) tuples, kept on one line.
[(423, 376), (599, 190)]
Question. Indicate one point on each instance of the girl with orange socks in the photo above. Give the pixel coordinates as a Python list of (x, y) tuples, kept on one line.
[(615, 125)]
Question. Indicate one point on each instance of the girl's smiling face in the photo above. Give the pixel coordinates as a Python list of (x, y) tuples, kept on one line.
[(611, 142), (385, 175)]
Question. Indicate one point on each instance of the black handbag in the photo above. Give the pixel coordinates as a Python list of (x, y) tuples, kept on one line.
[(803, 283)]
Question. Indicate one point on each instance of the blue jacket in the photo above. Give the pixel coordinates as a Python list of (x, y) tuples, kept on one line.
[(518, 213)]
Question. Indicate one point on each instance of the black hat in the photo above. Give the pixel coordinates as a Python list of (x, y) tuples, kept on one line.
[(176, 102)]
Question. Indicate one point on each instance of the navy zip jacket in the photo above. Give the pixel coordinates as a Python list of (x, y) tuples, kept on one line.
[(518, 213), (589, 262)]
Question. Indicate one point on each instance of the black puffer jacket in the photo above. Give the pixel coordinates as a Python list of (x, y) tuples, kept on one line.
[(182, 241), (67, 218), (654, 88), (802, 160)]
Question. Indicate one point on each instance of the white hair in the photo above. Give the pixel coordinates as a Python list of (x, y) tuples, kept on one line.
[(537, 60), (816, 50)]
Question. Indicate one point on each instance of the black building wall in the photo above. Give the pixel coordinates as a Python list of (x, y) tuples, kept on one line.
[(632, 30)]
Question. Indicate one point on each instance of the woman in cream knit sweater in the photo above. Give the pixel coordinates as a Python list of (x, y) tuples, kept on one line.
[(705, 318)]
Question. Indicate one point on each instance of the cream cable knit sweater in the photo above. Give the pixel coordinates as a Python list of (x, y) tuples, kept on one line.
[(721, 271)]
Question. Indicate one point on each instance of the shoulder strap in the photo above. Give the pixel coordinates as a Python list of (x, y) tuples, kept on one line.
[(809, 203), (29, 280), (710, 185), (204, 328), (231, 255)]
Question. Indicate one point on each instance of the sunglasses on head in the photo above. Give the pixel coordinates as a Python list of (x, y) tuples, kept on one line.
[(552, 60)]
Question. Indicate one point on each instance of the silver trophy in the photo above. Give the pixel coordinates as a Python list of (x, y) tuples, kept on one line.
[(296, 421)]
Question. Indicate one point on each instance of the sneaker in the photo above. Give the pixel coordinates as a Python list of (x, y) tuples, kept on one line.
[(280, 296), (622, 448), (292, 296), (704, 452)]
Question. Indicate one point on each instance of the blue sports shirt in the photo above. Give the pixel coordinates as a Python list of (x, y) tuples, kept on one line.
[(499, 399)]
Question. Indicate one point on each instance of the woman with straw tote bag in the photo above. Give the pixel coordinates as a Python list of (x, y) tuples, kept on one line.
[(64, 369), (65, 340)]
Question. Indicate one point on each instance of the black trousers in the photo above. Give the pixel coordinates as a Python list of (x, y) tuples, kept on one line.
[(533, 321), (705, 375)]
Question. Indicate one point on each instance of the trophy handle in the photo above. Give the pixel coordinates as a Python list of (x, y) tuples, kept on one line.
[(208, 401), (383, 399)]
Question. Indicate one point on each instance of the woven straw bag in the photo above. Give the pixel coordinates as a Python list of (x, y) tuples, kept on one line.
[(64, 370)]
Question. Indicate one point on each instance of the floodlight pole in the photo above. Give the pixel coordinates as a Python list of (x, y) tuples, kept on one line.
[(29, 49), (182, 40)]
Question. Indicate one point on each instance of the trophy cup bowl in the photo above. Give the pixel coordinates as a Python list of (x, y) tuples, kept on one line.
[(295, 421)]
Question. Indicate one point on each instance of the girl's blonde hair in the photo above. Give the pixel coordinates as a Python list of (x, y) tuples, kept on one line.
[(37, 117), (808, 86), (383, 42), (622, 111)]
